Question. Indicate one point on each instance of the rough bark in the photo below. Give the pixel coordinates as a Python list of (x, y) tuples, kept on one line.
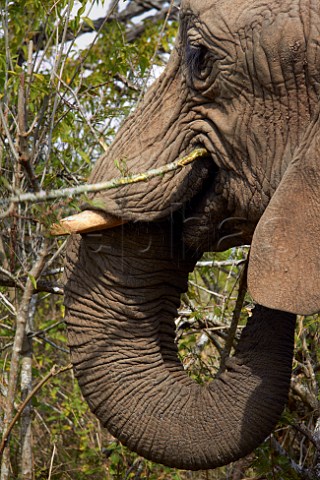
[(122, 295)]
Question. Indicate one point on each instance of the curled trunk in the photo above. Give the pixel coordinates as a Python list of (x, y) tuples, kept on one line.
[(122, 295)]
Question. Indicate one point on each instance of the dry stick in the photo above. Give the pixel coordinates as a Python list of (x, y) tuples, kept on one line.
[(219, 264), (8, 134), (15, 161), (316, 438), (42, 285), (53, 373), (305, 432), (51, 461), (54, 256), (235, 319), (5, 29), (23, 143), (308, 397), (26, 444), (43, 196), (8, 275)]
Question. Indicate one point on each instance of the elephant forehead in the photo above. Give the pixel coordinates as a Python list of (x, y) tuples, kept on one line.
[(281, 44), (234, 8), (232, 16), (281, 27), (275, 43)]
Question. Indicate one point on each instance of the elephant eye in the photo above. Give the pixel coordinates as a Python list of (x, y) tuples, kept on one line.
[(196, 60)]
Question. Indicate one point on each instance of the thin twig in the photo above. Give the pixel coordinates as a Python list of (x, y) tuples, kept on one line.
[(59, 62), (44, 196), (39, 333), (8, 134), (304, 431), (52, 344), (211, 292), (235, 319), (42, 285), (14, 280), (8, 304), (7, 212), (52, 259), (316, 439), (98, 137), (219, 264), (23, 143), (94, 41), (51, 461)]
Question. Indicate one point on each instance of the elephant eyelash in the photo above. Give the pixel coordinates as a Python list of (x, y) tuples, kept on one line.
[(196, 59)]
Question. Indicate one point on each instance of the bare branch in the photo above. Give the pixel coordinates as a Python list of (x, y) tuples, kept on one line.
[(23, 147), (211, 292), (44, 196), (15, 282), (219, 264), (316, 438), (235, 318), (42, 285), (8, 134)]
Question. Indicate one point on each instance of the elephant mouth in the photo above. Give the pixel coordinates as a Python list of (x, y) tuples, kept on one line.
[(190, 189), (196, 198), (209, 223)]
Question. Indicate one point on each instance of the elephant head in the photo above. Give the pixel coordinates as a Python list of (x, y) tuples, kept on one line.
[(243, 82)]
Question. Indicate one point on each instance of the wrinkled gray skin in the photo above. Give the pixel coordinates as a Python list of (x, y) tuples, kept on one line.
[(243, 81)]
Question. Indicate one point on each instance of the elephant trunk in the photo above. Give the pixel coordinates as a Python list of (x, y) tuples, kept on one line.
[(122, 294)]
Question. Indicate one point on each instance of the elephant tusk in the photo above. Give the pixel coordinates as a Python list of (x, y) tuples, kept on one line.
[(86, 221)]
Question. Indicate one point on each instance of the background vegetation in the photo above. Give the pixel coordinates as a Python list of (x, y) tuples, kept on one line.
[(60, 103)]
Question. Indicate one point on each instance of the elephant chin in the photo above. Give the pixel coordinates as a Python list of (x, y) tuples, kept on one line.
[(122, 292)]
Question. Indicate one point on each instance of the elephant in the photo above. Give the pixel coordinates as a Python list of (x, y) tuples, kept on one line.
[(242, 82)]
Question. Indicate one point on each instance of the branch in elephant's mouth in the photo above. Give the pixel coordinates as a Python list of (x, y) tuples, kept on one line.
[(93, 220)]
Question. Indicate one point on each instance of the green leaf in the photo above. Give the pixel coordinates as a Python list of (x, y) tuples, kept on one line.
[(33, 280), (89, 22)]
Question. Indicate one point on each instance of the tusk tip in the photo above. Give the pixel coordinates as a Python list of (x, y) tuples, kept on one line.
[(84, 222)]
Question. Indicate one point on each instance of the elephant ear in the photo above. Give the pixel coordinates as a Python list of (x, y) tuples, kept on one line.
[(284, 266)]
